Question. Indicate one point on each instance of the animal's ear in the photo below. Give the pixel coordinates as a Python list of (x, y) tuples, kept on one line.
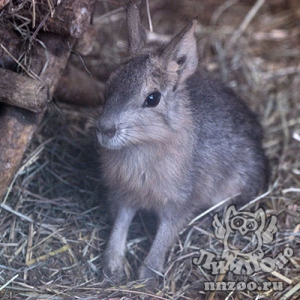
[(136, 32), (181, 55)]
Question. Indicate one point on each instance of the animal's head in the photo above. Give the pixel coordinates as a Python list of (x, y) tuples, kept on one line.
[(145, 97)]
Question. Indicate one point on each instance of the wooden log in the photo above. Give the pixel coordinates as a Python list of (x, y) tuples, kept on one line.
[(49, 63), (3, 3), (85, 44), (18, 125), (65, 17), (22, 91), (78, 87), (10, 48), (72, 17), (16, 130)]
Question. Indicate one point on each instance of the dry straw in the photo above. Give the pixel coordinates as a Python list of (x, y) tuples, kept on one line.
[(54, 224)]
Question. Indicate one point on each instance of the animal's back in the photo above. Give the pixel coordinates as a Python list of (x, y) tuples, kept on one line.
[(228, 158)]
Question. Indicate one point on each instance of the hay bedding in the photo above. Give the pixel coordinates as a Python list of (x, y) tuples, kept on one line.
[(54, 224)]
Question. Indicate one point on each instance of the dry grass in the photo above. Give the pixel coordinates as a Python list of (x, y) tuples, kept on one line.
[(54, 224)]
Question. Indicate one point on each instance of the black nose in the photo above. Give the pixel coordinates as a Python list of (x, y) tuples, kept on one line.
[(106, 128), (109, 132)]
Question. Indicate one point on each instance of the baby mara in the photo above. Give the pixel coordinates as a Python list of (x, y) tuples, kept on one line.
[(173, 142)]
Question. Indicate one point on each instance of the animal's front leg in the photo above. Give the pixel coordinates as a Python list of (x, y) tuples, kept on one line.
[(169, 226), (115, 251)]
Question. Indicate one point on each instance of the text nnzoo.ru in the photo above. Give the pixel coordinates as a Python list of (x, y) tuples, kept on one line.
[(242, 286)]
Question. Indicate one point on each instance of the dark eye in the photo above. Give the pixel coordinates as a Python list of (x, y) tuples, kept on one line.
[(152, 99)]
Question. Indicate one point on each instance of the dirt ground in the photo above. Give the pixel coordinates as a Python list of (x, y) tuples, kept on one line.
[(54, 223)]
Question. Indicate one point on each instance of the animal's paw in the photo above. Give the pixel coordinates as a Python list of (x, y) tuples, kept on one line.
[(148, 278), (113, 269), (113, 276)]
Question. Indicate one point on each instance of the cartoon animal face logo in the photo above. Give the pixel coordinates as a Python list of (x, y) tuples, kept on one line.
[(243, 225), (247, 226), (238, 257)]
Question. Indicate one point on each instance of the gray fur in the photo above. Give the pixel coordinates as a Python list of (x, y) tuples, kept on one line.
[(197, 147)]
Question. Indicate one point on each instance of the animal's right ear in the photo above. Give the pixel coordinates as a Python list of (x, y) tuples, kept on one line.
[(180, 55), (136, 32)]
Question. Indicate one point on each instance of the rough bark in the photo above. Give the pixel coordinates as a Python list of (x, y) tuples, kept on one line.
[(84, 45), (72, 17), (19, 125), (79, 87), (3, 3), (10, 48), (22, 91), (55, 27), (16, 130), (69, 17)]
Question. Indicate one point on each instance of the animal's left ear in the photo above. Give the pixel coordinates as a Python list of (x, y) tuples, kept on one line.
[(136, 32), (181, 55)]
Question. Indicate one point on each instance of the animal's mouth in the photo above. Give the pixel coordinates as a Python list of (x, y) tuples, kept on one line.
[(112, 143)]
